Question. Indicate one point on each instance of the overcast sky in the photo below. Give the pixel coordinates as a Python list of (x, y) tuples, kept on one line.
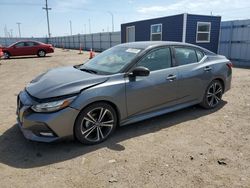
[(33, 18)]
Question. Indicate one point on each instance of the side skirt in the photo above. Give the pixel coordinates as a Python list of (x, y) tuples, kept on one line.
[(141, 117)]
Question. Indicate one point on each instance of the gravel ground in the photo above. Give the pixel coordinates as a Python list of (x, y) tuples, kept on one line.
[(188, 148)]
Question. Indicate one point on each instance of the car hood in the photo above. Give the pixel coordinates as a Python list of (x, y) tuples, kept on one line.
[(62, 81)]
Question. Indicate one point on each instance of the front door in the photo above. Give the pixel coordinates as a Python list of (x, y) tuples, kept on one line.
[(156, 91), (18, 49)]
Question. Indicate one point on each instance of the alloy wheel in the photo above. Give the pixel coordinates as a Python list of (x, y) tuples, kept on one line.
[(97, 124), (214, 94), (41, 53), (6, 55)]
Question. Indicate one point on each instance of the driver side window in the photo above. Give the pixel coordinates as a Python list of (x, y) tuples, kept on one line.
[(156, 60), (19, 45)]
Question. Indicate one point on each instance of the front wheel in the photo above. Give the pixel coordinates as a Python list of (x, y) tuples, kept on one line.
[(41, 53), (213, 95), (6, 55), (95, 123)]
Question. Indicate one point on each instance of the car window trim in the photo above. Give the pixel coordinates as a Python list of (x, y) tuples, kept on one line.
[(149, 51), (190, 47)]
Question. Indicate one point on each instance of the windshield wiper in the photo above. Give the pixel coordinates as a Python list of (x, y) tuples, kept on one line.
[(89, 71)]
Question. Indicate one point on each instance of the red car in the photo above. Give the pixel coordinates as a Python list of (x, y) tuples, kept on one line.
[(23, 48)]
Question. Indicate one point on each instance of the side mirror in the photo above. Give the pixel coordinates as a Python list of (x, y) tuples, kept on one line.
[(14, 46), (140, 71)]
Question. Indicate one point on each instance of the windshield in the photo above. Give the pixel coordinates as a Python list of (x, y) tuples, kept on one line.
[(112, 60)]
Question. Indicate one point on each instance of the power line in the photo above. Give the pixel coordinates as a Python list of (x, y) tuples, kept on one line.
[(47, 13)]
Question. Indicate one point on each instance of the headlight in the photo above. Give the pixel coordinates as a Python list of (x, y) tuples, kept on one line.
[(52, 106)]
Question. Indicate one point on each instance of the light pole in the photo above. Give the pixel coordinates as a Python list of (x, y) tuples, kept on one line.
[(85, 29), (112, 16), (47, 13), (89, 27), (19, 29), (70, 24)]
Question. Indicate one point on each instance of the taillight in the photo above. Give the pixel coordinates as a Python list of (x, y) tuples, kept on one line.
[(230, 64)]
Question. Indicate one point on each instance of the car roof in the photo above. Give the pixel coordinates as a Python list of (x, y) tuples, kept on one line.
[(28, 41), (151, 44)]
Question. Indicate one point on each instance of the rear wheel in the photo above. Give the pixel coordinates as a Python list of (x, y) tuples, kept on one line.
[(213, 95), (41, 53), (95, 123)]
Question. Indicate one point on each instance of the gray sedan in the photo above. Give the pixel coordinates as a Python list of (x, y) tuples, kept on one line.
[(128, 83)]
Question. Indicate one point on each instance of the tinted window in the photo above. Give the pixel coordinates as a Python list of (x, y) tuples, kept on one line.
[(185, 56), (31, 43), (199, 54), (20, 44), (156, 60)]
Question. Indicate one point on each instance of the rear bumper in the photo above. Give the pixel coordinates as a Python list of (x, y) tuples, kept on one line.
[(228, 83)]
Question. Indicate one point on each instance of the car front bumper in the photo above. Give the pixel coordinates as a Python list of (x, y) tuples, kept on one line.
[(44, 127)]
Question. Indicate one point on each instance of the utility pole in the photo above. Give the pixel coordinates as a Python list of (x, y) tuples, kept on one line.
[(11, 33), (85, 29), (89, 27), (47, 13), (70, 25), (5, 31), (19, 30), (112, 16)]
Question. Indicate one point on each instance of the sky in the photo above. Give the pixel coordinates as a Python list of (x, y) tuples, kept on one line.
[(92, 16)]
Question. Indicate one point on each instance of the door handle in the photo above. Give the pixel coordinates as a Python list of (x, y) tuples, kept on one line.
[(207, 68), (171, 77)]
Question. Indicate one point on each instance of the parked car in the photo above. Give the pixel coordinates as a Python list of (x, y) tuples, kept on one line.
[(24, 48), (125, 84), (1, 52)]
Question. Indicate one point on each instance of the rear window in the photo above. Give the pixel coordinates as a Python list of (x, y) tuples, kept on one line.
[(185, 56), (31, 44)]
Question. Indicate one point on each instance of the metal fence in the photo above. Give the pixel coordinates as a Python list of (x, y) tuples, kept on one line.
[(235, 41), (96, 41), (8, 41)]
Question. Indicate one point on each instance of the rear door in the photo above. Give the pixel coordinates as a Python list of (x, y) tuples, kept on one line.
[(156, 91), (31, 48), (194, 74)]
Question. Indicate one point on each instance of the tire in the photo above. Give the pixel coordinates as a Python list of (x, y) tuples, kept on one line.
[(41, 53), (213, 95), (6, 55), (95, 123)]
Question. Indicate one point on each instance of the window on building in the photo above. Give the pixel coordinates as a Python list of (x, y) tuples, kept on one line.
[(156, 32), (203, 32)]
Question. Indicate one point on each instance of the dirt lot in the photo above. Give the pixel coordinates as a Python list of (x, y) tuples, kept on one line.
[(181, 149)]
